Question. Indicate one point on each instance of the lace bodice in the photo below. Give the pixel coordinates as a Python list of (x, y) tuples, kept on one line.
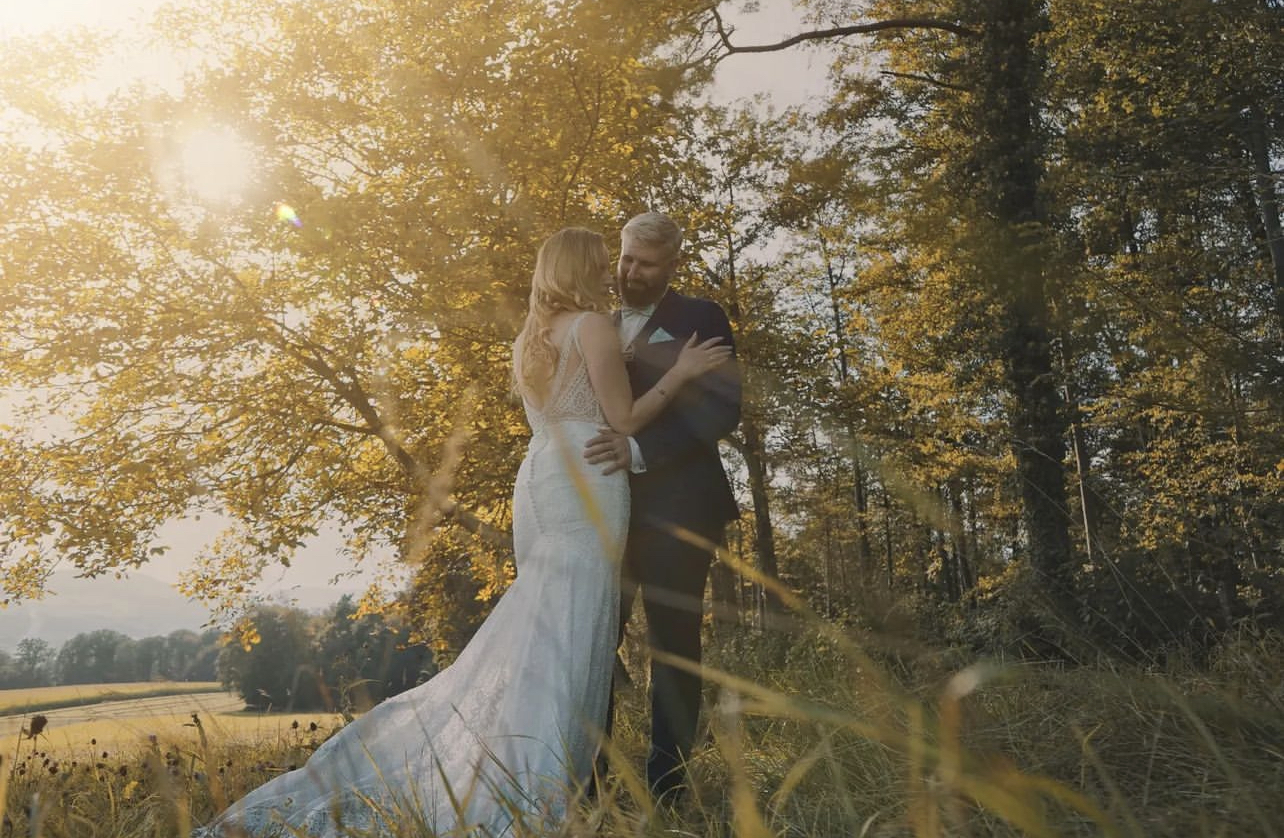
[(571, 396)]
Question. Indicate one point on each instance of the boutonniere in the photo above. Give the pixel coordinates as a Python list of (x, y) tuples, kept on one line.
[(659, 336)]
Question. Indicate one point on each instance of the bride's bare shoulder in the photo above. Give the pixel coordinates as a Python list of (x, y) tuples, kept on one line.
[(597, 323), (597, 332)]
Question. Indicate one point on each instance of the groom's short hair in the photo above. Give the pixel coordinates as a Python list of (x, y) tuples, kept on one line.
[(655, 228)]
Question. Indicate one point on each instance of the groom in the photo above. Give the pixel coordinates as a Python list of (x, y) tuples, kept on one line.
[(681, 498)]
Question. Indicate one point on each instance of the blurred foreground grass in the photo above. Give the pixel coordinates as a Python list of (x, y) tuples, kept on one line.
[(814, 736)]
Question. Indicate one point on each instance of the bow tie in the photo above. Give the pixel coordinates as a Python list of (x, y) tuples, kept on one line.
[(637, 311)]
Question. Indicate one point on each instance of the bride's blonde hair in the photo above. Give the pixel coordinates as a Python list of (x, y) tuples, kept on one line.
[(568, 277)]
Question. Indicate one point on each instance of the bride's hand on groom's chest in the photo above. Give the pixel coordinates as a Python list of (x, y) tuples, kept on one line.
[(652, 357)]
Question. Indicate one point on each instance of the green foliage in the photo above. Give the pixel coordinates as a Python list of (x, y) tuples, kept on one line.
[(363, 658), (31, 664), (272, 668), (343, 660), (109, 657), (97, 657)]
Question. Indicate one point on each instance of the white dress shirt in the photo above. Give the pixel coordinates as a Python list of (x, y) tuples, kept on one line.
[(631, 322)]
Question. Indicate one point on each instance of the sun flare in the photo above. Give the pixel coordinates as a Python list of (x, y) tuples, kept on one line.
[(26, 19), (217, 165)]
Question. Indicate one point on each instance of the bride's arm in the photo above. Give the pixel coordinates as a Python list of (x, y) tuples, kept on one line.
[(600, 345)]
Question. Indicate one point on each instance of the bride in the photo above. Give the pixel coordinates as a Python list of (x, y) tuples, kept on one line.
[(508, 732)]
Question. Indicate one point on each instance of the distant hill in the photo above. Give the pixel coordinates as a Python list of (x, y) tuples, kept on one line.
[(137, 606)]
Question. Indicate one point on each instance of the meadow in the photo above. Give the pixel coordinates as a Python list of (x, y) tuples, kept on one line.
[(36, 699), (821, 734)]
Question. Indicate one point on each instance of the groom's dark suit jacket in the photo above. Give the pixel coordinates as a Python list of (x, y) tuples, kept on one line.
[(684, 482)]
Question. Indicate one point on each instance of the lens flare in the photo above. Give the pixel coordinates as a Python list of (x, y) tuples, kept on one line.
[(286, 213)]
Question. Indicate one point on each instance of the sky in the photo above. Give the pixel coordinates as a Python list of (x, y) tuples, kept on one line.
[(784, 78), (29, 18)]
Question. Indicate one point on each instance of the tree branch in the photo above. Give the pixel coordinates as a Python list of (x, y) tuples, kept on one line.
[(839, 32), (924, 79), (469, 520)]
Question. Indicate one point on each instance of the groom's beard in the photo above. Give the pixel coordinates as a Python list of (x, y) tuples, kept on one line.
[(640, 294)]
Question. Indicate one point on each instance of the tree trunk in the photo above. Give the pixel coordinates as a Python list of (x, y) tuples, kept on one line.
[(1008, 154), (949, 577), (973, 534), (889, 557), (864, 553), (764, 534), (959, 540), (1268, 205), (723, 584), (1083, 466), (752, 449)]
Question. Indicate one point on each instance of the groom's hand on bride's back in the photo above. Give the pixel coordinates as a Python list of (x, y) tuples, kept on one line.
[(609, 448)]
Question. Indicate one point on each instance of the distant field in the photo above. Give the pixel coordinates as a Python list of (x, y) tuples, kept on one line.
[(124, 717), (126, 735), (38, 699)]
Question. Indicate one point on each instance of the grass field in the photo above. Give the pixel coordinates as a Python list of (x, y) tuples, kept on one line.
[(38, 699), (812, 737), (93, 719), (128, 735)]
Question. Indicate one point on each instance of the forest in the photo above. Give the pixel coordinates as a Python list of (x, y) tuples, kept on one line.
[(333, 660), (1008, 301)]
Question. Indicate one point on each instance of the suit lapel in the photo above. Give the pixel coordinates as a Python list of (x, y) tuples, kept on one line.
[(659, 317)]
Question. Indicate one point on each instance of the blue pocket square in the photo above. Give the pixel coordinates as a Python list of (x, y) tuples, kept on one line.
[(659, 336)]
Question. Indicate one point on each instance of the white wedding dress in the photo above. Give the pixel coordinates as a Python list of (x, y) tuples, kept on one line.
[(510, 729)]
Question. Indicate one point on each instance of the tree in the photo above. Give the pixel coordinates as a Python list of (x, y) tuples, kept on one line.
[(326, 350), (721, 199), (96, 657), (276, 669), (189, 656), (8, 672), (1064, 228), (33, 662), (148, 662), (363, 658), (982, 81), (1172, 318)]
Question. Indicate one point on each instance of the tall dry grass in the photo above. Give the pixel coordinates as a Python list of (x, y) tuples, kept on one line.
[(820, 733)]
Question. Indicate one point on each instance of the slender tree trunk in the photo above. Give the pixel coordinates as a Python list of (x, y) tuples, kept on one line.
[(1268, 205), (923, 554), (723, 583), (764, 533), (864, 553), (1087, 502), (1083, 465), (949, 579), (834, 277), (752, 450), (889, 558), (959, 539), (829, 552), (973, 533)]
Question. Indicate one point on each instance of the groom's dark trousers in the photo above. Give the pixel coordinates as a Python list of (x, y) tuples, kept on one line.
[(680, 508)]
